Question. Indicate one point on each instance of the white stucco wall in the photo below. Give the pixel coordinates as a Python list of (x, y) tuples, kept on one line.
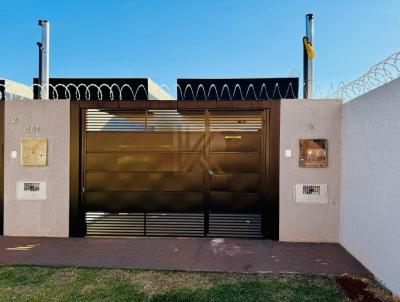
[(309, 222), (45, 217), (370, 208)]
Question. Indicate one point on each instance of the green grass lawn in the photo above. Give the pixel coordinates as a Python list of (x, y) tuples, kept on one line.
[(33, 283)]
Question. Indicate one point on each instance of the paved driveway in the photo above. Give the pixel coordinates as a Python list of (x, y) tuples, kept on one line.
[(194, 254)]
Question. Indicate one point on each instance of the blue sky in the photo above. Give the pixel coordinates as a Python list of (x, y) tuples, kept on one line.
[(165, 40)]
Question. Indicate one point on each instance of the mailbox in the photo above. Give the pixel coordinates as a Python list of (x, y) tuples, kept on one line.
[(313, 153)]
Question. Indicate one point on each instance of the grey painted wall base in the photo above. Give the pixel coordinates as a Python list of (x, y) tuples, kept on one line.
[(48, 217), (309, 119), (370, 210)]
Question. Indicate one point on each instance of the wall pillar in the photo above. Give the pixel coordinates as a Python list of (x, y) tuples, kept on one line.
[(48, 119)]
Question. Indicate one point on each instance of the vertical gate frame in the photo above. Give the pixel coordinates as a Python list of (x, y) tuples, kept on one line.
[(271, 126), (206, 173), (2, 125), (76, 219), (272, 200), (82, 153), (264, 165)]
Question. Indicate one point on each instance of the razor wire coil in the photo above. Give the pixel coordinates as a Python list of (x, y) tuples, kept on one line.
[(379, 74), (91, 91)]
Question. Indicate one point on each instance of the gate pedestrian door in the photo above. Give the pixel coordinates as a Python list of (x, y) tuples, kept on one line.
[(174, 173)]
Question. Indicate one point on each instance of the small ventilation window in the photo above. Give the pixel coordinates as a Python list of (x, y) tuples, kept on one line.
[(311, 190), (31, 186), (31, 190), (311, 193)]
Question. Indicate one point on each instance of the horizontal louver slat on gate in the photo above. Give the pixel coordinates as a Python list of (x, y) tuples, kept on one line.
[(249, 121), (154, 120), (139, 224), (172, 120), (175, 224), (119, 224), (115, 120), (235, 225)]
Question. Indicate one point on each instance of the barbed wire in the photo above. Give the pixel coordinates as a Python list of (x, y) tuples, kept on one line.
[(115, 92), (250, 91), (379, 74)]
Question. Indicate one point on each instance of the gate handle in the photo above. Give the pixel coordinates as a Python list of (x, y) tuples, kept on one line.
[(233, 137)]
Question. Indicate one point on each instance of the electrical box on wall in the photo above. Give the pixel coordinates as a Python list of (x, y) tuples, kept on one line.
[(31, 190), (311, 193)]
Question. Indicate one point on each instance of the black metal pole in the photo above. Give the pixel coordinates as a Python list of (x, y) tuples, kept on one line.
[(305, 71), (40, 70)]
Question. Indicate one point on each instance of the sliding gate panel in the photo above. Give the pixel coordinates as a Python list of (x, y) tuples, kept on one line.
[(236, 183), (164, 172)]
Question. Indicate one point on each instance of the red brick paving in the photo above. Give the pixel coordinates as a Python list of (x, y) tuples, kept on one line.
[(192, 254)]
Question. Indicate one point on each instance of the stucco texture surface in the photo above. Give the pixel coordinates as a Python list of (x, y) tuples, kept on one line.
[(309, 119), (370, 210), (48, 217)]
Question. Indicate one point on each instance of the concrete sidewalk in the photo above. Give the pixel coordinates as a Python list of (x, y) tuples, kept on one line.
[(192, 254)]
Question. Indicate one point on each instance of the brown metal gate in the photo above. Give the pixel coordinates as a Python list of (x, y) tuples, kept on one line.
[(175, 173)]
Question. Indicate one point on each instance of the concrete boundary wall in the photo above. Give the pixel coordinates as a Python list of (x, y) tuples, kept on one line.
[(363, 174), (370, 181), (309, 119), (45, 119)]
